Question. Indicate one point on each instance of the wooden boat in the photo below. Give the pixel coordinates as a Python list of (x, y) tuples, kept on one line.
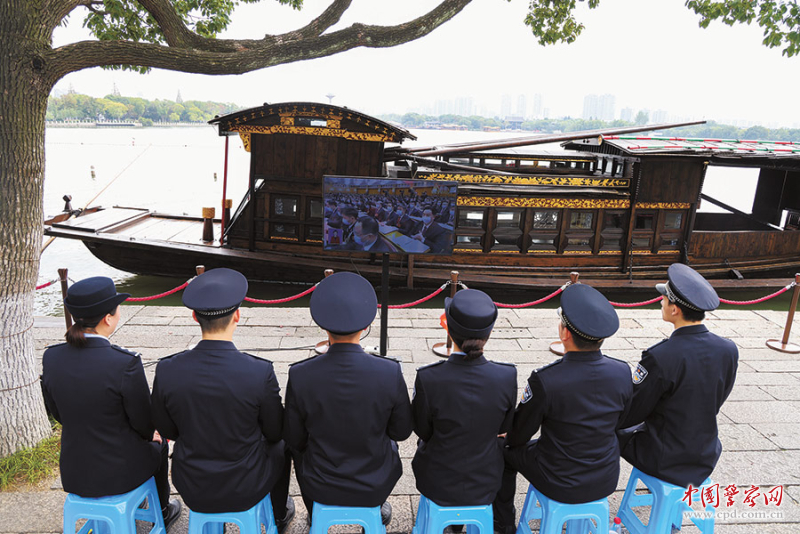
[(618, 209)]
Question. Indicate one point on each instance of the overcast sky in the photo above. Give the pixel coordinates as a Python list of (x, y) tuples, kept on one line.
[(648, 54)]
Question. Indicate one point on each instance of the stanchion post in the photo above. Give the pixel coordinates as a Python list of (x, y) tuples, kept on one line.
[(444, 349), (557, 347), (384, 304), (64, 279), (322, 346), (200, 269), (783, 344), (208, 224)]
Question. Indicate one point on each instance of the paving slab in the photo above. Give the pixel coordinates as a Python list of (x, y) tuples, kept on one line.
[(784, 435), (749, 393), (762, 412), (783, 392)]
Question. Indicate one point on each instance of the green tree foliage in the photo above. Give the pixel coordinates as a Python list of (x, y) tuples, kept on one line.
[(70, 107), (553, 21), (641, 118)]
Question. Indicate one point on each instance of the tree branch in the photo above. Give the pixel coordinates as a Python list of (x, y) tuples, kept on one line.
[(240, 56), (175, 31), (316, 27)]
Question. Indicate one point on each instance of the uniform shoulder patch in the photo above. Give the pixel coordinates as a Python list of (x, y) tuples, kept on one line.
[(257, 357), (549, 365), (504, 363), (639, 374), (126, 351), (429, 365), (527, 394), (303, 361)]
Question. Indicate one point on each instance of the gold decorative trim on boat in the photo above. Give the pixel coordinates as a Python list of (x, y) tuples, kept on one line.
[(663, 205), (245, 137), (577, 252), (516, 202), (310, 130), (558, 181)]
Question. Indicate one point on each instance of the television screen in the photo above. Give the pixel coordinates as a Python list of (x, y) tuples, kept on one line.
[(380, 215)]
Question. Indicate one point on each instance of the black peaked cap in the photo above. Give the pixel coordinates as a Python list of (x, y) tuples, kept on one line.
[(344, 303), (93, 296), (588, 313), (688, 288), (470, 314), (216, 293)]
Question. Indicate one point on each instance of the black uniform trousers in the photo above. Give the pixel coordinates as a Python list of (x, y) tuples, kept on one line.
[(100, 395), (345, 411), (679, 386), (223, 409), (460, 406), (578, 402)]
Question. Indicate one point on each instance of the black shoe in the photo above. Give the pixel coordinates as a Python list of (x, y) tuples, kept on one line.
[(386, 513), (171, 513), (283, 523)]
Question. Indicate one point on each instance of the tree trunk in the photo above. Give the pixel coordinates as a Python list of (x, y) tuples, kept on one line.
[(23, 103)]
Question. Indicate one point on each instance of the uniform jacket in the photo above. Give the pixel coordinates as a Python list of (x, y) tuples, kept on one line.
[(345, 410), (223, 409), (460, 406), (678, 390), (100, 395), (578, 402)]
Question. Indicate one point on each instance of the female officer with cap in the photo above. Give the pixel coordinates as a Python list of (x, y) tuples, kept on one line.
[(99, 393), (460, 406)]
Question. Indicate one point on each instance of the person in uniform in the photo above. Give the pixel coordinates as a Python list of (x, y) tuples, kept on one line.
[(578, 402), (99, 393), (346, 409), (223, 409), (460, 406), (679, 387)]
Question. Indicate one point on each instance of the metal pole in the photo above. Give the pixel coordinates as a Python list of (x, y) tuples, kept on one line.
[(224, 192), (783, 345), (64, 279), (200, 269), (444, 349), (384, 303)]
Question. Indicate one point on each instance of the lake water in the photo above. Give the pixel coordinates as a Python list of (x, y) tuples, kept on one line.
[(180, 170)]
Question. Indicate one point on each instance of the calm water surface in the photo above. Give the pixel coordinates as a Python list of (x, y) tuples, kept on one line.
[(180, 170)]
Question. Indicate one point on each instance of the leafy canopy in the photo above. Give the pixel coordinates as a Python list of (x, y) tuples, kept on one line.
[(553, 21)]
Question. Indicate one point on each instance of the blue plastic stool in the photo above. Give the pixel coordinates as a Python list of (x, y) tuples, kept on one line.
[(325, 516), (248, 521), (432, 518), (554, 514), (115, 513), (666, 507)]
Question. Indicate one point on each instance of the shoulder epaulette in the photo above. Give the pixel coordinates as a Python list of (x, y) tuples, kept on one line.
[(385, 357), (657, 344), (126, 351), (433, 364), (303, 361), (616, 359), (510, 364), (171, 355), (551, 364), (257, 357), (56, 345)]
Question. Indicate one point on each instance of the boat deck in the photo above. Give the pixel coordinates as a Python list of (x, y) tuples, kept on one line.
[(141, 224)]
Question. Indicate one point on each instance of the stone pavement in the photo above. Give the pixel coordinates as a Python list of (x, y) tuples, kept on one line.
[(759, 424)]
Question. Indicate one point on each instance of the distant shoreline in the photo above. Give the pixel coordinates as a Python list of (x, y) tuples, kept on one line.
[(123, 125)]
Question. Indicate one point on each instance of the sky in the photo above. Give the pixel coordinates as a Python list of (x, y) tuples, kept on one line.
[(648, 54)]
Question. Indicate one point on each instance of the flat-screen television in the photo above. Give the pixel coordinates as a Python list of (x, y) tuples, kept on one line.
[(395, 216)]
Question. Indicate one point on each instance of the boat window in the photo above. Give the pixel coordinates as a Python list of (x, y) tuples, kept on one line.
[(645, 221), (578, 241), (470, 218), (641, 242), (283, 230), (315, 209), (284, 207), (508, 230), (314, 233), (545, 220), (670, 242), (611, 242), (509, 219), (469, 240), (672, 220), (543, 242), (615, 220), (581, 220)]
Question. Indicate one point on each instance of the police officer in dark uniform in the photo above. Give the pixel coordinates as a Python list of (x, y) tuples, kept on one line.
[(578, 402), (679, 387), (223, 409), (460, 406), (346, 409), (99, 393)]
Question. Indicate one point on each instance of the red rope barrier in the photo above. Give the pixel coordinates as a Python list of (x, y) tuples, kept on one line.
[(532, 303), (50, 283), (634, 304), (281, 301), (420, 301), (160, 295), (756, 301)]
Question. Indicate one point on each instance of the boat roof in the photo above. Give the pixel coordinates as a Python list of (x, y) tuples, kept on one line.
[(532, 152), (310, 118)]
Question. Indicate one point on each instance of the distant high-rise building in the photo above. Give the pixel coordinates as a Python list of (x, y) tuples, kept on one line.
[(537, 106), (626, 114), (115, 90), (506, 108), (599, 107), (464, 106), (179, 98), (659, 116), (522, 106)]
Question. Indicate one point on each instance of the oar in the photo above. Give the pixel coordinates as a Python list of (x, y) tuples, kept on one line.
[(100, 193)]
